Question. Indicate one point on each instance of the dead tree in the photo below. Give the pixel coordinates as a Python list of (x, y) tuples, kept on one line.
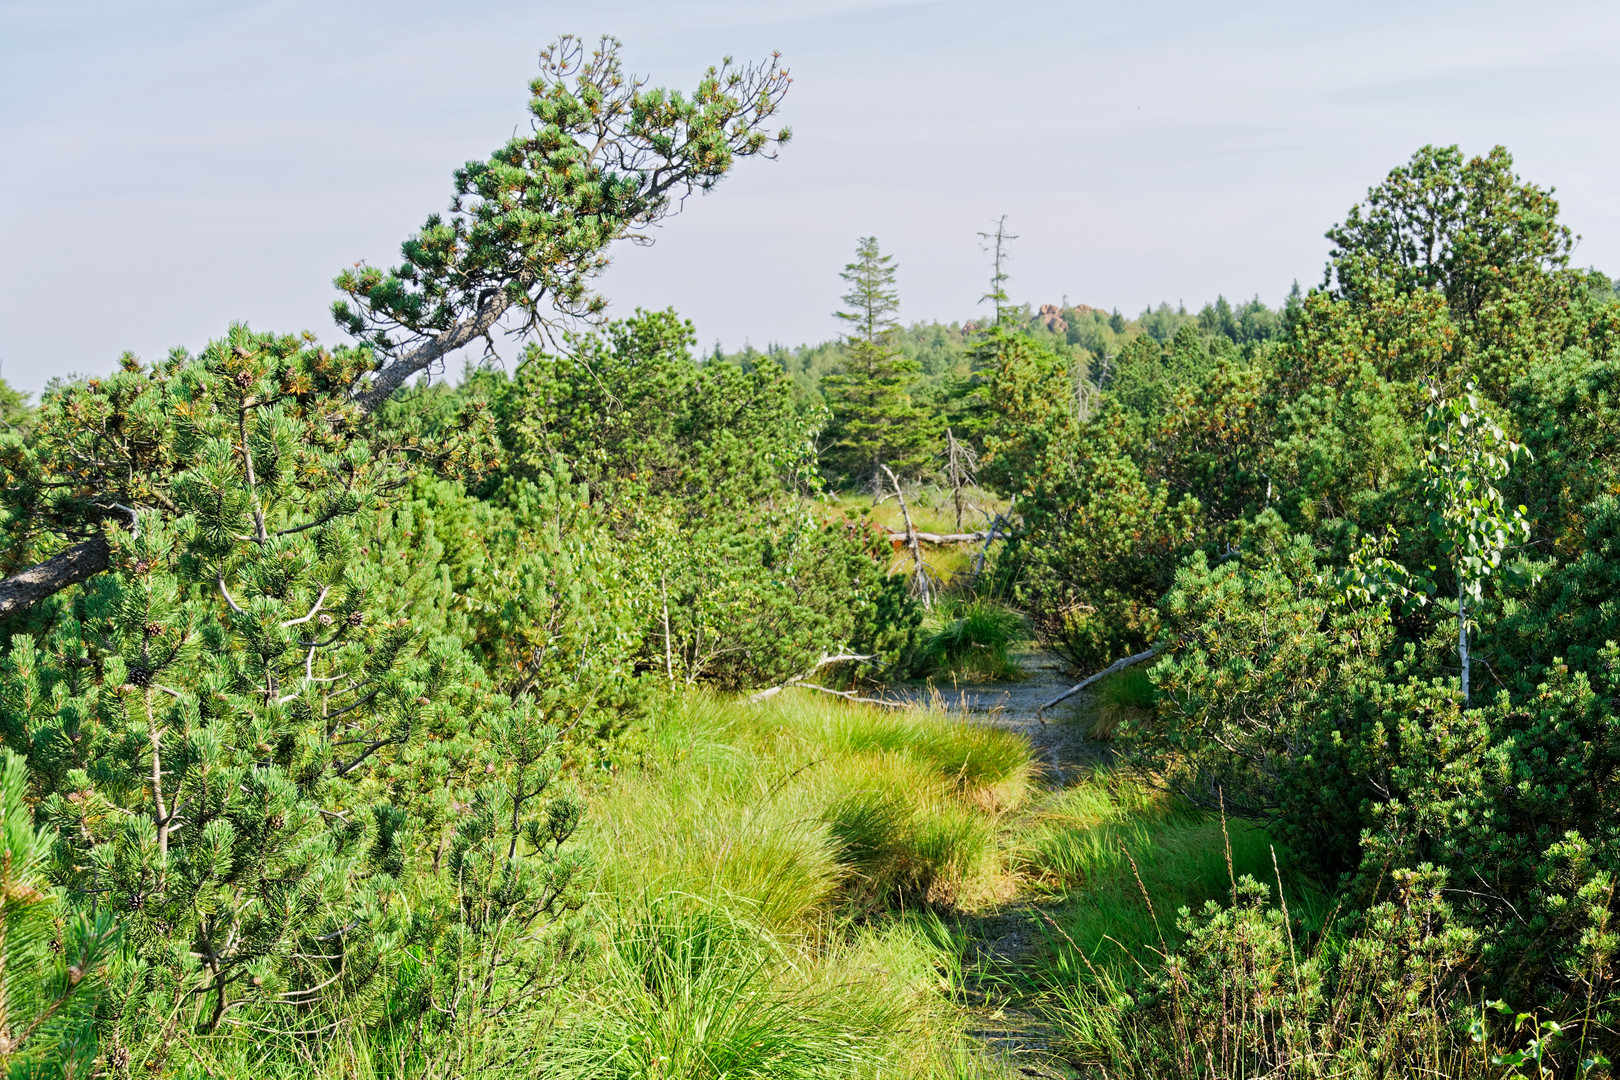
[(961, 468), (923, 591)]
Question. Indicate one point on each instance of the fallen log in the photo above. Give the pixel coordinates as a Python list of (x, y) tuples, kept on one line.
[(772, 691), (943, 538), (1117, 665)]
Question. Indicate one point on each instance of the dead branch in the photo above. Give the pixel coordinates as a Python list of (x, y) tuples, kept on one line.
[(911, 540), (772, 691), (850, 695), (1117, 665), (944, 538)]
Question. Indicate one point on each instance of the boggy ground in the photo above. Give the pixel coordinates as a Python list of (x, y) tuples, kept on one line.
[(1061, 746), (1000, 946)]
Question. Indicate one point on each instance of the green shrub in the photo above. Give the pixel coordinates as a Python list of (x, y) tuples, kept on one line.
[(1247, 990), (53, 961)]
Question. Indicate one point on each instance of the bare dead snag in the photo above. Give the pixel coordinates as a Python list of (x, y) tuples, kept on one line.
[(911, 540)]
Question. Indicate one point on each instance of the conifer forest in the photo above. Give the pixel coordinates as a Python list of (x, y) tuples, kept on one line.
[(1221, 692)]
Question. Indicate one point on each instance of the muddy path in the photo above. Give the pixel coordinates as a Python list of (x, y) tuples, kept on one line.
[(1001, 945), (1061, 747)]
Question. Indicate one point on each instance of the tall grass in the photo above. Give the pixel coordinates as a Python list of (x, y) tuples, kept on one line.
[(971, 639), (740, 875), (807, 802), (1122, 698), (1121, 859)]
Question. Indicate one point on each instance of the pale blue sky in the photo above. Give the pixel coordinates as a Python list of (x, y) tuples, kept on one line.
[(169, 167)]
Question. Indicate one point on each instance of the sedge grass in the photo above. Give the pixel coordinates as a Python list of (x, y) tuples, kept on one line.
[(1120, 860)]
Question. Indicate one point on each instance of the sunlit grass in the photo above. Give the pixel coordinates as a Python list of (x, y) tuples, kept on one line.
[(971, 639), (1121, 859)]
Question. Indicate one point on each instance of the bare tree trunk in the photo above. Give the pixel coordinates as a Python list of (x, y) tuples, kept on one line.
[(393, 374), (954, 468), (669, 657), (1462, 640), (80, 562), (911, 541), (984, 552)]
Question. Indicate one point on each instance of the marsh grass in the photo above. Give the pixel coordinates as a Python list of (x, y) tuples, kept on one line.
[(1121, 858), (971, 638), (805, 802), (1122, 698), (742, 873)]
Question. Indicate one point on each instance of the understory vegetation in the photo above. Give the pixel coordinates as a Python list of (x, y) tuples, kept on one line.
[(586, 719)]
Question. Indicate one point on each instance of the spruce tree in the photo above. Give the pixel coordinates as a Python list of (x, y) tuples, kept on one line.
[(874, 420)]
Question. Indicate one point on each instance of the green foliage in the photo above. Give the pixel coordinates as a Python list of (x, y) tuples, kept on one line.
[(14, 411), (874, 421), (1469, 230), (102, 448), (693, 473), (698, 994), (635, 418), (801, 802), (53, 960), (1249, 992), (252, 732), (1100, 547)]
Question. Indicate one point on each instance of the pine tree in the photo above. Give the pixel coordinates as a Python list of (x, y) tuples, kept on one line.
[(52, 962), (231, 729), (874, 420), (529, 228)]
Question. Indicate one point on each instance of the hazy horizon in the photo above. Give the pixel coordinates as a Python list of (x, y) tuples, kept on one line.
[(176, 166)]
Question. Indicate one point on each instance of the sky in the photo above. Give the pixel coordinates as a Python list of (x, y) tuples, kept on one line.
[(168, 167)]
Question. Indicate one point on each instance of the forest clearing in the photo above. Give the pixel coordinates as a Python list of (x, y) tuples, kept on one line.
[(1229, 693)]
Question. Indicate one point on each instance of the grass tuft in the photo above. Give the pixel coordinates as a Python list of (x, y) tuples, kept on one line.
[(971, 639), (1122, 698)]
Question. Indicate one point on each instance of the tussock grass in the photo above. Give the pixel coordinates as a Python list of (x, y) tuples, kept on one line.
[(740, 876), (971, 639), (1122, 698), (803, 802)]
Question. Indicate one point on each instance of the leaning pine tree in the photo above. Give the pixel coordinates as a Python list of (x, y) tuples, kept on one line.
[(874, 420), (253, 724)]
